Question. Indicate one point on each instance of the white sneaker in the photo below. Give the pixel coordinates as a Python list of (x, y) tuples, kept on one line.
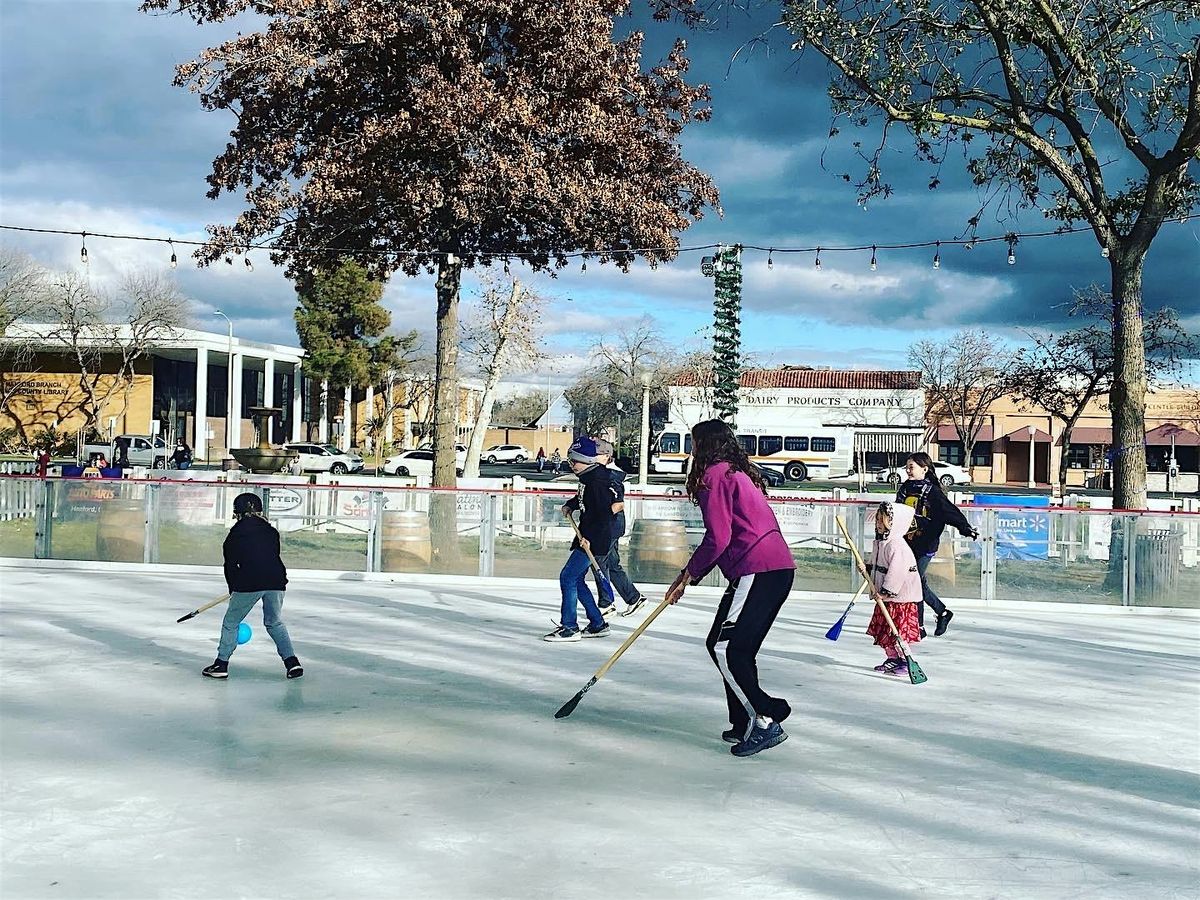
[(563, 634), (633, 607)]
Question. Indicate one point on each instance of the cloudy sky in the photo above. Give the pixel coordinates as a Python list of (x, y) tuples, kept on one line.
[(94, 137)]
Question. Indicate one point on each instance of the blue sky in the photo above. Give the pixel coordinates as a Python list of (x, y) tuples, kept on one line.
[(93, 136)]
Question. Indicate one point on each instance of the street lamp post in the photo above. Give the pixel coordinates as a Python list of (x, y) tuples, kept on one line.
[(620, 409), (644, 461), (229, 419)]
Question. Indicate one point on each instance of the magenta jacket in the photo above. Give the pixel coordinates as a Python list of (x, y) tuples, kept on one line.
[(741, 534)]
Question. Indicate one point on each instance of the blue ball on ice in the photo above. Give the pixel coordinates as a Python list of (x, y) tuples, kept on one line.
[(244, 633)]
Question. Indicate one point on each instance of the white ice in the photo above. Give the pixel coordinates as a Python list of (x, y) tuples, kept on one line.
[(1051, 754)]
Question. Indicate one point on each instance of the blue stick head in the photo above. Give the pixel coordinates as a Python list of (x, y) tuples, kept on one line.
[(245, 632), (836, 630)]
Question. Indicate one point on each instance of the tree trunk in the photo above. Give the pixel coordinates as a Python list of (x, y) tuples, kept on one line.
[(443, 519), (479, 432), (1128, 396)]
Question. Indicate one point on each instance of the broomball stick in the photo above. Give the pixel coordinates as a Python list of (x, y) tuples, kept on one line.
[(915, 673), (196, 612), (569, 707), (602, 583), (835, 630)]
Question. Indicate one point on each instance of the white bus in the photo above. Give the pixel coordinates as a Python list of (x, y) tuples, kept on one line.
[(806, 423)]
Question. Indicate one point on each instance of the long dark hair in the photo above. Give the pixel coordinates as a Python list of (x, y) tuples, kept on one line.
[(925, 461), (713, 442)]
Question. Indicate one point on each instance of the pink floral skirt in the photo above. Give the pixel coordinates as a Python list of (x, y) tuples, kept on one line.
[(905, 617)]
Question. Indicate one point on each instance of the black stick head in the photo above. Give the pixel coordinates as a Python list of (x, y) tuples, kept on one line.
[(569, 707), (185, 618)]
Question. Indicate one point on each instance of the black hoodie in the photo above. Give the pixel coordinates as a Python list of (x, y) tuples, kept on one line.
[(594, 500), (934, 512), (252, 560)]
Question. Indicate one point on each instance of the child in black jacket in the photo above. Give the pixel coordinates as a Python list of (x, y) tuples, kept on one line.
[(253, 571), (934, 512), (594, 500)]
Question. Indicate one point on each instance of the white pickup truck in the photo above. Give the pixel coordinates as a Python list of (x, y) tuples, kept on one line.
[(144, 450)]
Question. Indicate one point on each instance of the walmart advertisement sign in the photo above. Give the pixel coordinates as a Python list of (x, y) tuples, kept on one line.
[(1020, 533)]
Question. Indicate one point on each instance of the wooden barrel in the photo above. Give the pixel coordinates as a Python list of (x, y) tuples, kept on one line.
[(406, 544), (942, 565), (121, 531), (658, 550)]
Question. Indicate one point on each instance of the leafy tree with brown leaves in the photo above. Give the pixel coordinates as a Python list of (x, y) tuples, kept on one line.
[(434, 135), (1087, 110)]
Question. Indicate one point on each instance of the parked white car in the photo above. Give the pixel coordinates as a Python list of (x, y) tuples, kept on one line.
[(947, 474), (460, 455), (417, 462), (326, 458), (504, 453)]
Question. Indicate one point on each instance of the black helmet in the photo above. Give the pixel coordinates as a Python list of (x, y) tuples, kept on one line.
[(244, 504)]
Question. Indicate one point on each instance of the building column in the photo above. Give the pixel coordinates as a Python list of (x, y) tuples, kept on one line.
[(269, 395), (200, 417), (323, 421), (297, 401), (233, 440), (1032, 457), (347, 418)]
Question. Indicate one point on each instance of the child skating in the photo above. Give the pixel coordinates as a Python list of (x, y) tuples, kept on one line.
[(896, 581), (254, 571), (594, 501), (610, 562), (742, 538)]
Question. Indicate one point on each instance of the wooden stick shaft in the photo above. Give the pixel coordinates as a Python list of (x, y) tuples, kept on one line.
[(633, 637), (588, 550)]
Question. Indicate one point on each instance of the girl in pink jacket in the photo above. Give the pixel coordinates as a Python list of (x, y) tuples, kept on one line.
[(742, 539), (896, 581)]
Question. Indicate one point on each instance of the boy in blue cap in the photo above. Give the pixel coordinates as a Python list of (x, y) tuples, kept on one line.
[(594, 500)]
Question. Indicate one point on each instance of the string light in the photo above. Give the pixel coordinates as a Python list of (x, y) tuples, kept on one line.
[(937, 255), (249, 265), (770, 260), (1012, 252), (583, 268), (874, 264), (174, 258), (506, 254), (817, 260), (83, 258)]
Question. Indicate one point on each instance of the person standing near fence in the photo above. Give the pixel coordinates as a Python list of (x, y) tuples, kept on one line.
[(610, 562), (254, 571), (932, 512), (742, 538)]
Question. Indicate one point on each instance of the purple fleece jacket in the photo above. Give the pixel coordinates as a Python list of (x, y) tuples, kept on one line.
[(741, 534)]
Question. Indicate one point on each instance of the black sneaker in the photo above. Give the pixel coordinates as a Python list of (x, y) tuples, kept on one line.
[(943, 623), (760, 739), (923, 634), (293, 667), (562, 634), (733, 735), (219, 669), (634, 606), (592, 631)]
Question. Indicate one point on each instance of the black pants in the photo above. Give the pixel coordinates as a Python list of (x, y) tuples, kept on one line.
[(610, 565), (745, 615), (927, 594)]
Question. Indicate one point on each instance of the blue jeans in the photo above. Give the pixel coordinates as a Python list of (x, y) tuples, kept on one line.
[(240, 604), (573, 581), (927, 594)]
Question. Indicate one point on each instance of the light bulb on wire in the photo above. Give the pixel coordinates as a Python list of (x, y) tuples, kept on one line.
[(937, 255), (1012, 253), (174, 258), (817, 260), (770, 260), (83, 257), (874, 263), (1104, 252), (249, 265)]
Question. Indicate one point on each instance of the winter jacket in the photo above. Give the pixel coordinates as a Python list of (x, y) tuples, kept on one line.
[(252, 560), (616, 476), (893, 565), (741, 534), (594, 499), (932, 512)]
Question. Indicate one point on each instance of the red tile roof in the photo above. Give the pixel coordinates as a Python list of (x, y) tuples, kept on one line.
[(803, 377)]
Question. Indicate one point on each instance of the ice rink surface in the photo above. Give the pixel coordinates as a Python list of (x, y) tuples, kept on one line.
[(1050, 754)]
